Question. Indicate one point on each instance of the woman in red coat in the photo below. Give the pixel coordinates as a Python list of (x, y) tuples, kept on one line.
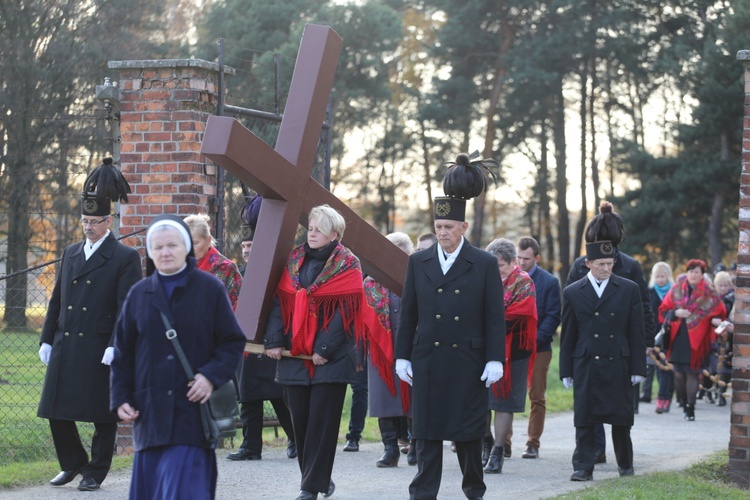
[(694, 308)]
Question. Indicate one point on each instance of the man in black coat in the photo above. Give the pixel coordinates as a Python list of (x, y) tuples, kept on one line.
[(453, 291), (256, 385), (93, 279), (602, 355)]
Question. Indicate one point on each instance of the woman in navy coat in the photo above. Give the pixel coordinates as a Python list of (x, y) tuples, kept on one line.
[(148, 384)]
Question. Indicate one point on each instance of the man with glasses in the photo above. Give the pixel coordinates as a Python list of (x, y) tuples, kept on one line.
[(93, 279)]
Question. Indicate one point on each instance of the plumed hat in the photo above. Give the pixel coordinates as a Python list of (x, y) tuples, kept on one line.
[(606, 225), (464, 179), (600, 250), (249, 216), (102, 186)]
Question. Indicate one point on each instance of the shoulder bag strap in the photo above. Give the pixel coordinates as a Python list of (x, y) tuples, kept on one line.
[(171, 334)]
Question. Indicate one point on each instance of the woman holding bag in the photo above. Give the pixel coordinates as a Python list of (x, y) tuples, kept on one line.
[(149, 387)]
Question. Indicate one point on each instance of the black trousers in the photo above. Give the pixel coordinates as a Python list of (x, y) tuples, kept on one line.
[(316, 414), (584, 455), (426, 483), (72, 455), (251, 414)]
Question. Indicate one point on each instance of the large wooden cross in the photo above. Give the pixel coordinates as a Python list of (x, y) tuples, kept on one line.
[(282, 177)]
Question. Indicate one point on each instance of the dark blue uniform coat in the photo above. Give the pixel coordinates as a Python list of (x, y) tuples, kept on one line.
[(81, 317), (601, 346), (461, 327)]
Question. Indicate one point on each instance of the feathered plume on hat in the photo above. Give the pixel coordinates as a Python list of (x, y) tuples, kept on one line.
[(249, 216), (606, 225), (464, 180), (102, 186), (465, 177)]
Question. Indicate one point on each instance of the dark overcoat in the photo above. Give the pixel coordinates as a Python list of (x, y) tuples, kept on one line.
[(81, 317), (601, 346), (629, 268), (146, 372), (461, 327), (382, 403)]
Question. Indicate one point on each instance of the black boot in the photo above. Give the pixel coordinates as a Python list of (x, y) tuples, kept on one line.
[(487, 443), (411, 457), (389, 431), (689, 412), (495, 463)]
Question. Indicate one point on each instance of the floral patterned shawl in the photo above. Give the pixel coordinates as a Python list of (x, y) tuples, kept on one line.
[(224, 269)]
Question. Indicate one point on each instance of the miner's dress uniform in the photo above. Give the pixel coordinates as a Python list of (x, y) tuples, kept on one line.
[(80, 320), (601, 346), (461, 327)]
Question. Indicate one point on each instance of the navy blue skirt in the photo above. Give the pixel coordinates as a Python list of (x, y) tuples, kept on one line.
[(169, 472)]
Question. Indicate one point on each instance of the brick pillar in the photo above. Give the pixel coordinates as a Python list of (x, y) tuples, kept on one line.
[(164, 106), (739, 440)]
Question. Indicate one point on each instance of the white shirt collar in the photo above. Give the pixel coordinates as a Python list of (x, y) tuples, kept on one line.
[(89, 248), (447, 259), (598, 287)]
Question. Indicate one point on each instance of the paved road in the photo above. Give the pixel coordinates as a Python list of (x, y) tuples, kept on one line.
[(660, 442)]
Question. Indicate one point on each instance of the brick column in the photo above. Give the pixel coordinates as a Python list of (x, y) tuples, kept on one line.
[(739, 440), (164, 106)]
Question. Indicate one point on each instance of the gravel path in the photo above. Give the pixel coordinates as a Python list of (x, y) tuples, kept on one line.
[(661, 443)]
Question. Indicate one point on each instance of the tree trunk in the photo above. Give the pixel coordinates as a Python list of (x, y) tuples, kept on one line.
[(715, 248), (20, 183), (584, 202), (544, 205), (561, 180)]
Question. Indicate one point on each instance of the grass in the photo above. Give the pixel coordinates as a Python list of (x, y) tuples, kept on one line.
[(706, 479)]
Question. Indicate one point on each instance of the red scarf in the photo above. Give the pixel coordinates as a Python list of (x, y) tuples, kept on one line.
[(704, 304), (338, 288), (520, 320), (379, 334)]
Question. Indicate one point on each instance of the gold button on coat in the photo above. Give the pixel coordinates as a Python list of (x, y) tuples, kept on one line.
[(440, 290), (437, 316), (457, 292), (455, 319), (455, 346), (437, 344), (80, 334)]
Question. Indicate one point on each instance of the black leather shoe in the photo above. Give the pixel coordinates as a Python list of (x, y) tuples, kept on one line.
[(601, 457), (531, 452), (331, 489), (65, 477), (507, 451), (626, 472), (722, 401), (244, 454), (306, 495), (88, 484), (291, 449), (352, 445), (411, 457), (495, 463), (487, 443), (581, 475)]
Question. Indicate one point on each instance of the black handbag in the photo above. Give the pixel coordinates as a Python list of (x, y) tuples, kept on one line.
[(220, 411), (662, 338)]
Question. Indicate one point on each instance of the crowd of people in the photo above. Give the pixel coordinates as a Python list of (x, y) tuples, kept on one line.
[(452, 358)]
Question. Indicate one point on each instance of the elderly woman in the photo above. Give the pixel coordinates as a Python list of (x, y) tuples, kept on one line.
[(149, 387), (720, 362), (693, 308), (210, 260), (508, 395), (659, 284), (389, 397), (317, 314)]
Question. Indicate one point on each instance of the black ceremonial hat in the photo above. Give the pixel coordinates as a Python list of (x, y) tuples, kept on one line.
[(102, 186), (600, 250), (249, 216)]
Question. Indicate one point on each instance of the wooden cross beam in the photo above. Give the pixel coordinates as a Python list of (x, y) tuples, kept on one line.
[(282, 177)]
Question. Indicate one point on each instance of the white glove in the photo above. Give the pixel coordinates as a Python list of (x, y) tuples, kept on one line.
[(567, 382), (403, 370), (109, 355), (637, 379), (44, 351), (493, 371)]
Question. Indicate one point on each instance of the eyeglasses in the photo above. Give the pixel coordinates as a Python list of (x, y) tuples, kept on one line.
[(85, 222)]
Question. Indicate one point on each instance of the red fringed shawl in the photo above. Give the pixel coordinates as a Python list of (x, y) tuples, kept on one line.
[(224, 269), (379, 335), (704, 304), (520, 320), (338, 288)]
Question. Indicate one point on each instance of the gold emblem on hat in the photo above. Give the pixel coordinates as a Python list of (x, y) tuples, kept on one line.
[(442, 208), (606, 248), (90, 205)]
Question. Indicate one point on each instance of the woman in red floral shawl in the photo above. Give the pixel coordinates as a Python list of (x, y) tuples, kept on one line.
[(693, 308), (317, 313), (210, 260), (508, 395)]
